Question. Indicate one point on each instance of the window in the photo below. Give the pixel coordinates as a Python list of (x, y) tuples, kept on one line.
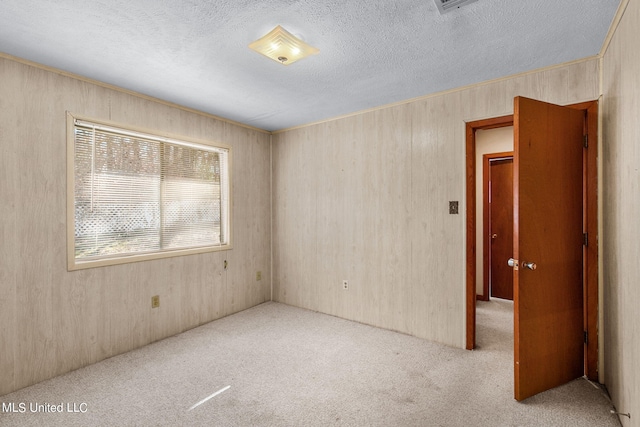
[(135, 196)]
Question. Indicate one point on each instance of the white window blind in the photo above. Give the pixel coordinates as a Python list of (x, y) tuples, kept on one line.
[(136, 193)]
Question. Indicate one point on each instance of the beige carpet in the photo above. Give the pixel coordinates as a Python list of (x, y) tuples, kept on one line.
[(276, 365)]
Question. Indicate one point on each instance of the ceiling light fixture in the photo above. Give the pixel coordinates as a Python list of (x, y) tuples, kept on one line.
[(283, 47)]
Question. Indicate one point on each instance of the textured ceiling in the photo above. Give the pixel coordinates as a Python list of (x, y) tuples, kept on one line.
[(372, 52)]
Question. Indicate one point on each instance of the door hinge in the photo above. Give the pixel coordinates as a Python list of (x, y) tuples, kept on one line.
[(586, 337), (586, 141), (586, 239)]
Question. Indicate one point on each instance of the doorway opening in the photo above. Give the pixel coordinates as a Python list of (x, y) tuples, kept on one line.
[(590, 264), (494, 212), (498, 226)]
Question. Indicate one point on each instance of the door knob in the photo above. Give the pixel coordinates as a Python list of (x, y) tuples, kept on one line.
[(494, 236), (515, 264)]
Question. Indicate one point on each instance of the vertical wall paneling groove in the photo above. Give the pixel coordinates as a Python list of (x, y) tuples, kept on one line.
[(365, 198), (52, 320), (271, 217)]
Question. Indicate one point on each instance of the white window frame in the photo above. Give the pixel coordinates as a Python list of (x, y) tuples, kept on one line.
[(76, 264)]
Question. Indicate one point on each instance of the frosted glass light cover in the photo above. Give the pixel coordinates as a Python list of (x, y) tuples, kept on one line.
[(283, 47)]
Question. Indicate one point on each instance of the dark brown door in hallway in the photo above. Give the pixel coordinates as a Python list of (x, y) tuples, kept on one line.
[(500, 227), (548, 244)]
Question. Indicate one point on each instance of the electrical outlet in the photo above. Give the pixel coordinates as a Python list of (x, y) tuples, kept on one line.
[(155, 301), (345, 284), (259, 275)]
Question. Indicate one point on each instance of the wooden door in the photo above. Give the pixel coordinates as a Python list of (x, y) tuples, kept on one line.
[(500, 227), (548, 301)]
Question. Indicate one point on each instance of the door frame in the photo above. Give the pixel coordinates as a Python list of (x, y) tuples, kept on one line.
[(590, 276), (486, 260)]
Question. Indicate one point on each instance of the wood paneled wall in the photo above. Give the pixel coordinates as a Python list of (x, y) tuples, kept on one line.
[(366, 198), (621, 205), (53, 321)]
